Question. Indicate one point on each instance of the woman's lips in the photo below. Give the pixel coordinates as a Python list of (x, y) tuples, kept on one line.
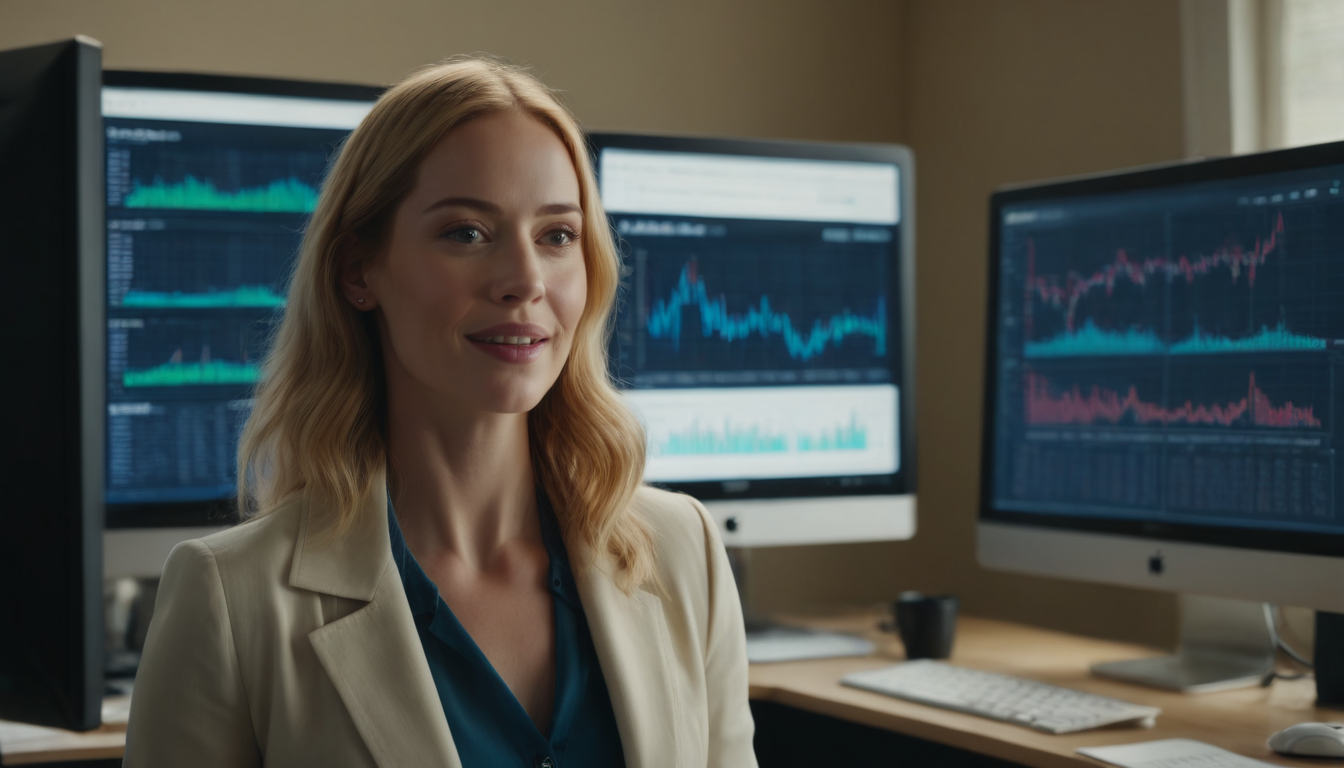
[(510, 353)]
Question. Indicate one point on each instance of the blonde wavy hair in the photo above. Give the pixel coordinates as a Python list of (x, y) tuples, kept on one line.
[(317, 424)]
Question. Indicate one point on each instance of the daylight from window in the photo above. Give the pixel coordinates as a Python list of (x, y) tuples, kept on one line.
[(1313, 71)]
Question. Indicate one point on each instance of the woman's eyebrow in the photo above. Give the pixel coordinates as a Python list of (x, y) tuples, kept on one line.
[(552, 209), (558, 208), (464, 202)]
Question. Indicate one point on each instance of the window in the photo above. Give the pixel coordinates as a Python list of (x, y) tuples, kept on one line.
[(1304, 100), (1262, 74)]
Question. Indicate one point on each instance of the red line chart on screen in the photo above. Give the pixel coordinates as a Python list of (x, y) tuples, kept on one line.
[(1099, 405), (1064, 295)]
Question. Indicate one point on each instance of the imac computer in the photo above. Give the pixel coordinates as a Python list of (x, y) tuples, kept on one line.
[(765, 333), (1165, 380), (209, 183), (51, 212)]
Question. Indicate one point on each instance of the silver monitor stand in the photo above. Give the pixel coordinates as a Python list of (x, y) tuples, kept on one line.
[(769, 642), (1223, 644)]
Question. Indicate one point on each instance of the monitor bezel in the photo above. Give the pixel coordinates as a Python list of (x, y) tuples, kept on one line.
[(51, 165), (1132, 180), (262, 86), (222, 511), (903, 481)]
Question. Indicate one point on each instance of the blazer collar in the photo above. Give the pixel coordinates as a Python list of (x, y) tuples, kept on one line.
[(633, 647), (350, 565), (375, 660), (377, 665), (373, 656)]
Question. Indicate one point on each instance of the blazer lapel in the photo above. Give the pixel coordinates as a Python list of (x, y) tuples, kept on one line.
[(631, 639), (373, 656)]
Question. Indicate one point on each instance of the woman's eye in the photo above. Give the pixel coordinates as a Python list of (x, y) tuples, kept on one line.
[(466, 235), (559, 237)]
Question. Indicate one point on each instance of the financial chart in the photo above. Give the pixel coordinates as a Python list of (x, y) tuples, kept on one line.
[(204, 221), (769, 432), (1174, 354), (758, 349)]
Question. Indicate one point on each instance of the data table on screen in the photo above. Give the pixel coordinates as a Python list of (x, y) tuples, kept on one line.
[(205, 218)]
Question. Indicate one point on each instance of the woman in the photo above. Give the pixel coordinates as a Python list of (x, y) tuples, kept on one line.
[(452, 561)]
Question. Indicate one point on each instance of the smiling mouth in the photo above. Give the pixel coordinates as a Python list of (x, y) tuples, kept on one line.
[(516, 341)]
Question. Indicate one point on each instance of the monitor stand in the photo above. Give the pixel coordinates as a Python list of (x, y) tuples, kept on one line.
[(768, 641), (1223, 644)]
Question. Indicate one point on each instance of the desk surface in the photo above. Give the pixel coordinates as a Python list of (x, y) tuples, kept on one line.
[(29, 744), (1238, 720)]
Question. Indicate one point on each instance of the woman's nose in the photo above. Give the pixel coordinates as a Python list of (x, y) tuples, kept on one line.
[(519, 278)]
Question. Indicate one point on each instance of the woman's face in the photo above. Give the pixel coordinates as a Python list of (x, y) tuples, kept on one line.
[(483, 281)]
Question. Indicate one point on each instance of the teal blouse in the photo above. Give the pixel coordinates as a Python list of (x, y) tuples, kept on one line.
[(489, 726)]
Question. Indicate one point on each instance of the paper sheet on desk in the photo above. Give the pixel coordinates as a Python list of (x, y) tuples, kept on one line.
[(116, 711), (13, 733), (1171, 753)]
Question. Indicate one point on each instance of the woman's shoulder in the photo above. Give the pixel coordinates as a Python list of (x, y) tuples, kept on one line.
[(672, 514), (685, 539), (275, 528), (257, 549)]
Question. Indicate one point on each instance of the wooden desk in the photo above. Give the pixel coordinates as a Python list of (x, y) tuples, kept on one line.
[(28, 745), (1238, 720)]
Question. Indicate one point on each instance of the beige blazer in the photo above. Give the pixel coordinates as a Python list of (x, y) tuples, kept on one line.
[(269, 647)]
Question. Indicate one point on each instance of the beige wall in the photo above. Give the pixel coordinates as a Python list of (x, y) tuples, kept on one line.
[(777, 68), (985, 91)]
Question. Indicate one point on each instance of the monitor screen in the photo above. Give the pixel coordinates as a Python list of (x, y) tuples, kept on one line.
[(761, 335), (1165, 353), (209, 184)]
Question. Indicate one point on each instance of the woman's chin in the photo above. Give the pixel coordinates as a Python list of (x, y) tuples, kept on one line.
[(503, 401)]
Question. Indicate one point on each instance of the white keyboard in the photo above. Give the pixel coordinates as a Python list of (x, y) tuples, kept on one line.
[(1036, 705)]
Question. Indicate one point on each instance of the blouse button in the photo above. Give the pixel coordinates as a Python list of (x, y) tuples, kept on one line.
[(545, 762)]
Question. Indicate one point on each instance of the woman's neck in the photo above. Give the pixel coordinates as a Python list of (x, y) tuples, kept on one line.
[(462, 483)]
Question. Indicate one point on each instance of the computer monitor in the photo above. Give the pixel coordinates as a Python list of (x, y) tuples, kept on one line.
[(51, 213), (1163, 384), (765, 334), (209, 183)]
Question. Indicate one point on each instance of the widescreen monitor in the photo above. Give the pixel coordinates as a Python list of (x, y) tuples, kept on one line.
[(1165, 379), (765, 331), (210, 181), (51, 213)]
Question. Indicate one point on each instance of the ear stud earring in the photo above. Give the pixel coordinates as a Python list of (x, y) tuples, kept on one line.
[(361, 301)]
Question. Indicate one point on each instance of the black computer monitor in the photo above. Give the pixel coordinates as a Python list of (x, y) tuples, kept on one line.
[(51, 213), (765, 335), (1164, 381), (210, 183)]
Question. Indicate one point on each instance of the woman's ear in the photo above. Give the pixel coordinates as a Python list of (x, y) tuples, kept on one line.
[(352, 264)]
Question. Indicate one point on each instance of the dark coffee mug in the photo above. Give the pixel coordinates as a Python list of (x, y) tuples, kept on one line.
[(926, 624)]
